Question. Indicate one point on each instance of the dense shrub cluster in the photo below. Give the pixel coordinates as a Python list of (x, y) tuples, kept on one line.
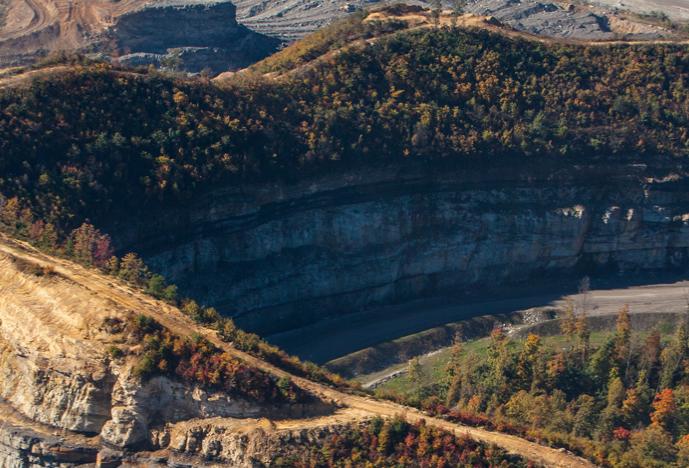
[(623, 403), (197, 361), (397, 443), (255, 345)]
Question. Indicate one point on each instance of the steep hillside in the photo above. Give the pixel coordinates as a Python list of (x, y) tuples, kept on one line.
[(75, 369), (383, 160), (408, 163)]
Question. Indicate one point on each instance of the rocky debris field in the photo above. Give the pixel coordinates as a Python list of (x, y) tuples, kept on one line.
[(674, 9), (291, 19)]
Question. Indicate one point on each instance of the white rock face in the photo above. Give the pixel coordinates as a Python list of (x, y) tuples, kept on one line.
[(135, 407), (245, 444), (59, 385), (21, 448), (53, 367)]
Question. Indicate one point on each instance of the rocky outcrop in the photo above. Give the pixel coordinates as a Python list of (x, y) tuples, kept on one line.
[(281, 255), (186, 35), (138, 408), (76, 401), (53, 368), (64, 392), (195, 35), (21, 447), (247, 444)]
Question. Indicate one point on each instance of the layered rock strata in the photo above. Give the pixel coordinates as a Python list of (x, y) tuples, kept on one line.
[(278, 256)]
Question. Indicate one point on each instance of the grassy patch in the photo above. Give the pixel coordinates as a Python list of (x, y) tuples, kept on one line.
[(433, 366)]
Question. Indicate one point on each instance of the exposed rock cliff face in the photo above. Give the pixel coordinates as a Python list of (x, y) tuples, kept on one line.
[(195, 34), (279, 256), (63, 394), (23, 443), (158, 421), (185, 34), (248, 444)]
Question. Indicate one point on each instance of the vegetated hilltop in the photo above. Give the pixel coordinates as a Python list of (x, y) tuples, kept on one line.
[(190, 35), (422, 121), (617, 395), (123, 377), (128, 140), (479, 137)]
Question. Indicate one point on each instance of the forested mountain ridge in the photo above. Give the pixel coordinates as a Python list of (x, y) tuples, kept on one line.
[(95, 136)]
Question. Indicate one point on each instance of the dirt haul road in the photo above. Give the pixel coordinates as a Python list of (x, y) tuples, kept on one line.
[(353, 406)]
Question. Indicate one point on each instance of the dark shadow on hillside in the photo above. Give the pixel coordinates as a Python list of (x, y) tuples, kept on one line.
[(333, 338)]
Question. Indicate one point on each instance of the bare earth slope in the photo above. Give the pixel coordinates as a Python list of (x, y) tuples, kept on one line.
[(64, 371)]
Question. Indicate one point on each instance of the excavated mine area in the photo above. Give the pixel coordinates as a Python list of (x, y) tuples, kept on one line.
[(292, 19), (193, 34)]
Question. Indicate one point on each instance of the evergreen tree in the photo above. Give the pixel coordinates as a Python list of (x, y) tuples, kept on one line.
[(601, 362), (498, 361), (527, 361), (636, 405), (453, 370), (568, 320), (649, 360), (612, 414), (454, 364), (623, 333), (454, 391), (133, 269), (585, 416), (414, 373), (583, 337), (672, 356)]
